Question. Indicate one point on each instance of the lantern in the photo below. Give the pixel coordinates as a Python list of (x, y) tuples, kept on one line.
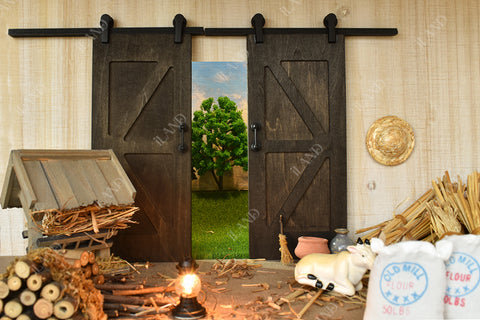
[(188, 286)]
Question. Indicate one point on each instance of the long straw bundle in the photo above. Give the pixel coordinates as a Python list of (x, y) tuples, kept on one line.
[(440, 211)]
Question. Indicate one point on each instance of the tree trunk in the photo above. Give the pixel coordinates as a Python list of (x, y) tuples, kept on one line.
[(220, 183), (218, 180)]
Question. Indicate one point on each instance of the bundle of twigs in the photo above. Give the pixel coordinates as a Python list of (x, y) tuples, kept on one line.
[(84, 219), (43, 285), (442, 210)]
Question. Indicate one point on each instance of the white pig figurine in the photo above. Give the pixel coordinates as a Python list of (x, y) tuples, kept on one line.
[(341, 272)]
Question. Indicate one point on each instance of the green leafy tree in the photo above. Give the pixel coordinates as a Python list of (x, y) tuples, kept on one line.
[(219, 139)]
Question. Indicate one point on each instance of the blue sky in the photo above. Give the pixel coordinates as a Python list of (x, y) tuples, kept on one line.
[(215, 79)]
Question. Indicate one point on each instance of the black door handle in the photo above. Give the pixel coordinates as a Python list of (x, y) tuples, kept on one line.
[(255, 146), (182, 147)]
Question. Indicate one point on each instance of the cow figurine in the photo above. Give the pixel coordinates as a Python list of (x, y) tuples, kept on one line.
[(341, 272)]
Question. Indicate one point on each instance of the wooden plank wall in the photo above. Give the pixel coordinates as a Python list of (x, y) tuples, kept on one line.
[(428, 75)]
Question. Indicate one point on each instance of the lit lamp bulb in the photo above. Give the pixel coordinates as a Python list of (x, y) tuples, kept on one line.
[(188, 286)]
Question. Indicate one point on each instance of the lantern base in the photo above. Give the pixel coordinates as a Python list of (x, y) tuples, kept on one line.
[(189, 308)]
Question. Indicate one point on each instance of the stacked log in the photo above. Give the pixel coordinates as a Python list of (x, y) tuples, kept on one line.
[(43, 285), (89, 266)]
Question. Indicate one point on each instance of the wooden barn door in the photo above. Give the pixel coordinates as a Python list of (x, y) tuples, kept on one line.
[(296, 101), (141, 98)]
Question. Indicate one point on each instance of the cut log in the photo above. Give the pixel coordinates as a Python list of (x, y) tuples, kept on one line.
[(84, 257), (4, 290), (5, 318), (99, 280), (37, 280), (95, 269), (87, 271), (43, 308), (27, 315), (23, 268), (13, 308), (1, 306), (77, 264), (91, 257), (65, 308), (51, 291), (14, 283), (27, 298)]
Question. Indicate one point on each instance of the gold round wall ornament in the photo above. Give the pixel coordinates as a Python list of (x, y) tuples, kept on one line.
[(390, 140)]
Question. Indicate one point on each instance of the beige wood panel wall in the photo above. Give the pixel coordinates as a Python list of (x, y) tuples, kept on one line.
[(428, 75)]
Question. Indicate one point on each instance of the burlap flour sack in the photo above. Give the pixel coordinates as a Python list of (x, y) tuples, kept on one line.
[(407, 281), (462, 297)]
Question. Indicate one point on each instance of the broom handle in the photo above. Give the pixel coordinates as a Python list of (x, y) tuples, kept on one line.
[(281, 224)]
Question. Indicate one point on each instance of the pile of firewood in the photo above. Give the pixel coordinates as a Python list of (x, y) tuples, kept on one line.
[(89, 266), (135, 300), (43, 285)]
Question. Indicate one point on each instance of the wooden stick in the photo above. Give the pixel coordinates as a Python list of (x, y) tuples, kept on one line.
[(27, 298), (77, 264), (124, 307), (124, 299), (65, 308), (292, 296), (43, 308), (91, 257), (51, 291), (84, 257), (27, 315), (37, 280), (95, 269), (87, 271), (142, 291), (99, 279), (4, 290), (113, 286), (23, 268), (13, 308), (14, 283), (309, 304)]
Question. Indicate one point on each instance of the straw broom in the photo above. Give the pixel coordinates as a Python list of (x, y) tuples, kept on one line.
[(286, 257)]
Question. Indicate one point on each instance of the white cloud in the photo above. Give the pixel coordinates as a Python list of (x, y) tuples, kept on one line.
[(221, 77), (198, 96)]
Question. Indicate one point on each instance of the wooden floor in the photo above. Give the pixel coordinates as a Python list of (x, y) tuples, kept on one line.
[(238, 297)]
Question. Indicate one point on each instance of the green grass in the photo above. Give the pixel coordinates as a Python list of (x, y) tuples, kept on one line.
[(220, 224)]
